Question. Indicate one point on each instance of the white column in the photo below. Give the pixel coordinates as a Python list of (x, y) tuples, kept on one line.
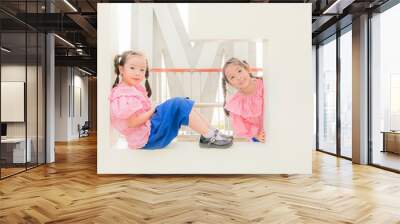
[(50, 99), (360, 90)]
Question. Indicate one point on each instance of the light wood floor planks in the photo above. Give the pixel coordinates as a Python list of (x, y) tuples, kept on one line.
[(70, 191)]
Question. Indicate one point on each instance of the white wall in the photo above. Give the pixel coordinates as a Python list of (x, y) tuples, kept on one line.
[(61, 103), (314, 74), (80, 84), (68, 81), (288, 85), (287, 70)]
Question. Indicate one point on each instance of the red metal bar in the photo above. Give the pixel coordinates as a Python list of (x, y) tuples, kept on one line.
[(177, 70)]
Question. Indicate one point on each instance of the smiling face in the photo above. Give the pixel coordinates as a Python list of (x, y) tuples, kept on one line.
[(237, 76), (134, 70)]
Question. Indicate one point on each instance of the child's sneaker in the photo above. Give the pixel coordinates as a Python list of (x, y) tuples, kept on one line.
[(213, 142), (222, 135)]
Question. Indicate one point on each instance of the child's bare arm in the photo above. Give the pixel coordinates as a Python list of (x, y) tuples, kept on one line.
[(136, 120)]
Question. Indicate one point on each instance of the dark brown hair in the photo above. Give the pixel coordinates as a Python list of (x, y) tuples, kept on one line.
[(234, 61), (120, 60)]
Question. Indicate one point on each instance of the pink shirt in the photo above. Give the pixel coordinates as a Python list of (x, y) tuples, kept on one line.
[(126, 101), (246, 112)]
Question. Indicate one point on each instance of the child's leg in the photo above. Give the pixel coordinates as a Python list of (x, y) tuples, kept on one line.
[(210, 137), (198, 123), (201, 116), (211, 127)]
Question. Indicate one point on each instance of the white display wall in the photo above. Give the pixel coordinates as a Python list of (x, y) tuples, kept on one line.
[(285, 30)]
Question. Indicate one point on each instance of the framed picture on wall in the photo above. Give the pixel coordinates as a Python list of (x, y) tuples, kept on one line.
[(184, 93), (12, 101)]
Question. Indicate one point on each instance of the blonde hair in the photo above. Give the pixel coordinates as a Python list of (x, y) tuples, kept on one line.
[(120, 59)]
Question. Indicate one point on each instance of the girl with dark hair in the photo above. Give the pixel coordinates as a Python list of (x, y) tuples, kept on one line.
[(245, 107)]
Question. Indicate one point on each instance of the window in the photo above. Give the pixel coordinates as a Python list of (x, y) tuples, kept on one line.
[(385, 91), (327, 96), (346, 93)]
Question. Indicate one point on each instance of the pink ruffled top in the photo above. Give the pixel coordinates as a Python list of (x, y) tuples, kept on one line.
[(126, 101), (246, 112)]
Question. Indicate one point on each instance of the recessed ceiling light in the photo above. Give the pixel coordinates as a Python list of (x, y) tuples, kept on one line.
[(86, 72), (338, 6), (5, 50), (64, 40), (70, 5)]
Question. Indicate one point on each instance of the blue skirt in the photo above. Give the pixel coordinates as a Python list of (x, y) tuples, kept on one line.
[(167, 120)]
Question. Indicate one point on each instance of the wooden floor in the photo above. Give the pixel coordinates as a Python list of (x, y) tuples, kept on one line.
[(70, 191), (10, 171)]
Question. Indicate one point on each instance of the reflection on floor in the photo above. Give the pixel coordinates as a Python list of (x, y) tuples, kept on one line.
[(386, 159), (10, 169), (346, 152)]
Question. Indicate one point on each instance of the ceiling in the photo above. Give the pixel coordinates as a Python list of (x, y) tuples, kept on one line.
[(75, 21)]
